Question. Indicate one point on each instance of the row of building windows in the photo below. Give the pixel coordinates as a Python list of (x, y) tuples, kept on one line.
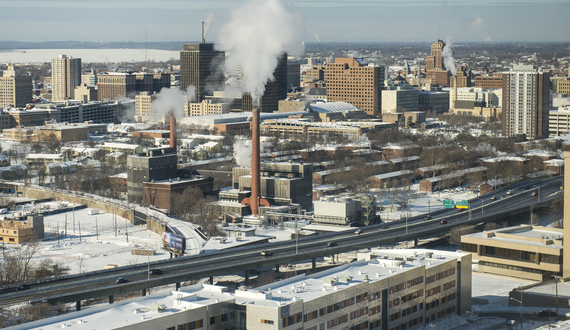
[(291, 319), (521, 269), (441, 275), (408, 284)]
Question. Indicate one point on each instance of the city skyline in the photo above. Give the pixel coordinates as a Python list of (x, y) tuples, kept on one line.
[(324, 21)]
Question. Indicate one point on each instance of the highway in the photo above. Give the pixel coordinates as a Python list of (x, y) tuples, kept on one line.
[(101, 283)]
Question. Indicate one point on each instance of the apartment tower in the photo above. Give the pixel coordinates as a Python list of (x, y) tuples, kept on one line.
[(65, 76), (351, 80), (526, 102)]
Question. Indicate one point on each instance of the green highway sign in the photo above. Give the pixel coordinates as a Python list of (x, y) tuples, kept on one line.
[(462, 204), (448, 204)]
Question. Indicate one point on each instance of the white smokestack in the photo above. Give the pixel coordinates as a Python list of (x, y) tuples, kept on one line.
[(447, 56), (254, 36)]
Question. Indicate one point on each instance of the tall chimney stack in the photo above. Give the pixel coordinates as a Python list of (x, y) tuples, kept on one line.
[(173, 131), (203, 36), (255, 173), (454, 90)]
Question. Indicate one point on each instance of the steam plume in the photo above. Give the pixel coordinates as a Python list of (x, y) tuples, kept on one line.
[(172, 99), (447, 56), (254, 36)]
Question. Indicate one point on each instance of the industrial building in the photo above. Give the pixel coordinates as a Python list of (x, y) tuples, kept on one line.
[(18, 232), (159, 193), (281, 185), (384, 289), (345, 210), (156, 164)]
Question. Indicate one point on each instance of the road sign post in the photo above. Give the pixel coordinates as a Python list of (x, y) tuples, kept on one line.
[(448, 204), (463, 204)]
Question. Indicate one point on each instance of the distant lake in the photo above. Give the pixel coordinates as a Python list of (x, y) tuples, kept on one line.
[(23, 56)]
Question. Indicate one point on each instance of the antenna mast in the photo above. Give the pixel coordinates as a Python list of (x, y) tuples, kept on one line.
[(438, 34), (145, 47), (203, 37)]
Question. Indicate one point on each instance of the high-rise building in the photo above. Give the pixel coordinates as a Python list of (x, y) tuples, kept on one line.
[(201, 66), (351, 80), (434, 61), (526, 101), (15, 89), (293, 74), (65, 76)]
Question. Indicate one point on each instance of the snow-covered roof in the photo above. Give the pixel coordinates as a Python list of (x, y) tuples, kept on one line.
[(326, 107), (392, 174)]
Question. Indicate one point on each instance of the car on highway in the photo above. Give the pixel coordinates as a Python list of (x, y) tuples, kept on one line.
[(22, 287), (493, 198), (427, 217), (509, 192), (548, 312), (121, 280), (266, 253), (527, 188), (358, 232), (443, 222), (156, 271), (533, 194), (331, 244)]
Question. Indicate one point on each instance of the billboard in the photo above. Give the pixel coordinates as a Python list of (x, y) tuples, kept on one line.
[(174, 241)]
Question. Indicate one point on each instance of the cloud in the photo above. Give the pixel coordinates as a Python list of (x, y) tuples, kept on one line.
[(480, 25), (477, 23)]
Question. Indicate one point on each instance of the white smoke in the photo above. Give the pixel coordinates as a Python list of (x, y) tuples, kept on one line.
[(254, 36), (172, 99), (242, 153), (447, 56)]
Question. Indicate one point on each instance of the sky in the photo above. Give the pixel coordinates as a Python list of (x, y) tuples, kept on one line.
[(323, 20)]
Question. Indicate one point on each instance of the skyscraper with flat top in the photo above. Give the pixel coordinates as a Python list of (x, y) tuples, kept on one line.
[(65, 76), (201, 66), (526, 102), (351, 80)]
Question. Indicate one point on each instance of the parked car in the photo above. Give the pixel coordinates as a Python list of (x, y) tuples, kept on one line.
[(266, 253), (155, 271), (444, 222), (331, 244), (548, 312), (121, 280)]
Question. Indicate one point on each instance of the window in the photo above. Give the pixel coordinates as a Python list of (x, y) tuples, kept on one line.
[(267, 321)]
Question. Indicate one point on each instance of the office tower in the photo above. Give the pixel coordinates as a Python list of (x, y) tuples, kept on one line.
[(293, 74), (65, 76), (115, 85), (434, 60), (351, 80), (526, 102), (201, 66), (15, 89)]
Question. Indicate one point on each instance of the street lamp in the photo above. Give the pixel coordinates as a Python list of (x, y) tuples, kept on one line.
[(148, 262), (478, 309), (520, 302)]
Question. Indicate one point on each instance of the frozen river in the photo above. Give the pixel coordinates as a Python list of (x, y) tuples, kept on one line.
[(23, 56)]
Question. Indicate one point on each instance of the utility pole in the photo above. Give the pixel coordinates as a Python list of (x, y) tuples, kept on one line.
[(97, 228)]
